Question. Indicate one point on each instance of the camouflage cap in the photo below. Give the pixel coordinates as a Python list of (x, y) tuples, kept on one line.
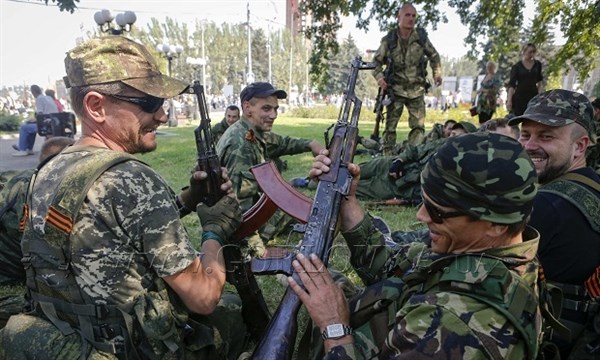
[(465, 125), (487, 175), (111, 58), (559, 108)]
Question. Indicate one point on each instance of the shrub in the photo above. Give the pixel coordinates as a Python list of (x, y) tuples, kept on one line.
[(9, 122)]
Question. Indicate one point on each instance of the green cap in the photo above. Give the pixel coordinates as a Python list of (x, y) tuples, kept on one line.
[(112, 58), (559, 108), (489, 176), (466, 126)]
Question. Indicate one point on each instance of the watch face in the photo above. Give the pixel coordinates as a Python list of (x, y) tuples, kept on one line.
[(335, 330)]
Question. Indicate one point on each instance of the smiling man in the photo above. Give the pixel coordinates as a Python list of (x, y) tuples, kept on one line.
[(556, 130), (250, 142), (446, 299), (107, 259)]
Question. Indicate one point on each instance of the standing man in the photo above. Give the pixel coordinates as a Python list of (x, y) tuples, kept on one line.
[(232, 114), (44, 104), (469, 292), (111, 272), (403, 54), (249, 142), (556, 130)]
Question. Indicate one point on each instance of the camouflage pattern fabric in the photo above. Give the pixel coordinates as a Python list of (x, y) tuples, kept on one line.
[(13, 197), (438, 322), (489, 176), (111, 58), (218, 130), (5, 176), (408, 83), (376, 184), (243, 146), (559, 108), (127, 236)]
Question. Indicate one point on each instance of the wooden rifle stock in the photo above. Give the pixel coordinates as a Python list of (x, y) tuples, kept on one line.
[(278, 341), (254, 308)]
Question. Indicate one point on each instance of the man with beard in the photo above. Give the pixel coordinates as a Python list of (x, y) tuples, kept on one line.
[(556, 130), (110, 270)]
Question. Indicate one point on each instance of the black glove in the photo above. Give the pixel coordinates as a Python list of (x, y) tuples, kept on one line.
[(221, 219), (396, 168)]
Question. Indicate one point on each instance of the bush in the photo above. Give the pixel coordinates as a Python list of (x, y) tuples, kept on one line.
[(9, 122)]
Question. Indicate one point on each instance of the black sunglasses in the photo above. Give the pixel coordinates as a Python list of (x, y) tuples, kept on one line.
[(438, 215), (148, 103)]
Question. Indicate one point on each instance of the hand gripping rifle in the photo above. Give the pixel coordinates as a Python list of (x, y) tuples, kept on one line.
[(319, 232), (254, 308), (383, 99)]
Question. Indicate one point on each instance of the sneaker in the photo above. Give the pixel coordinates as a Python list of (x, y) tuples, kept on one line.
[(299, 182), (23, 153), (16, 147)]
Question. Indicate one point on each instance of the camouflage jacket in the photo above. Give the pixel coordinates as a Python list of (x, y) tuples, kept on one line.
[(127, 233), (407, 79), (219, 129), (12, 199), (243, 146), (429, 317)]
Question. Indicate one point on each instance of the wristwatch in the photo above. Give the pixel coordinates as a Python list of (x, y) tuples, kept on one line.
[(336, 331)]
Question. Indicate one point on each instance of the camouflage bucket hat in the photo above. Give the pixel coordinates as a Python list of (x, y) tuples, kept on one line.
[(116, 58), (559, 108), (466, 126), (487, 175)]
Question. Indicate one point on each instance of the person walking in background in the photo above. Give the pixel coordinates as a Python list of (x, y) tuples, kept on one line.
[(404, 52), (525, 82), (52, 94), (44, 104), (488, 93)]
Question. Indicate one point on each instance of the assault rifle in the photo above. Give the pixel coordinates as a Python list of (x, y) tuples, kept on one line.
[(383, 99), (321, 224), (254, 308)]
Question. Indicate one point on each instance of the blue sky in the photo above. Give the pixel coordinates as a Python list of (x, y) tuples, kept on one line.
[(34, 37)]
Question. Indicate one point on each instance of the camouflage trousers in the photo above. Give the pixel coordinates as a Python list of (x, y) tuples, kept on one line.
[(416, 122), (376, 184), (32, 337), (11, 303)]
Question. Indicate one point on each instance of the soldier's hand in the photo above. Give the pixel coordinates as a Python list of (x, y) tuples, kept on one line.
[(222, 219), (396, 169), (192, 195), (382, 84)]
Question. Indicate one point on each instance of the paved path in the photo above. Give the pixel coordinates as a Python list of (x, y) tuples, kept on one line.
[(9, 162)]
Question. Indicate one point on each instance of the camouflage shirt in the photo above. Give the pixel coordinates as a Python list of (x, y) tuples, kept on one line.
[(12, 199), (437, 323), (219, 129), (127, 232), (243, 146), (407, 56)]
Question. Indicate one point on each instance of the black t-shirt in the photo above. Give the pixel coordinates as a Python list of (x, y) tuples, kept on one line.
[(569, 248)]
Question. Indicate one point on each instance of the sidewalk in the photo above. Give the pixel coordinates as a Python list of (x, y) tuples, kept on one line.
[(9, 162)]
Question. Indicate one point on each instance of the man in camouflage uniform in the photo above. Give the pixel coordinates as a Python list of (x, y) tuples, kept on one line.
[(556, 130), (249, 142), (389, 177), (470, 294), (12, 199), (232, 114), (111, 272), (406, 50)]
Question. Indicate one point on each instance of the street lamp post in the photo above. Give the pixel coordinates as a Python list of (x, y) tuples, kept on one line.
[(124, 21), (170, 52)]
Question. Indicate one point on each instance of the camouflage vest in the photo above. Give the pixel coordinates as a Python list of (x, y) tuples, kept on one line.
[(459, 274), (126, 330), (392, 41)]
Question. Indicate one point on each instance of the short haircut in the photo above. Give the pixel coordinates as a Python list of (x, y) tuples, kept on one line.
[(233, 107)]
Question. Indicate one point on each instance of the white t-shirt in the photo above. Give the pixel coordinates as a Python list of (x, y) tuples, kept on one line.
[(44, 104)]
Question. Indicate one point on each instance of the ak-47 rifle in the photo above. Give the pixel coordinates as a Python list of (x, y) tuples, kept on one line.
[(254, 308), (383, 99), (321, 226)]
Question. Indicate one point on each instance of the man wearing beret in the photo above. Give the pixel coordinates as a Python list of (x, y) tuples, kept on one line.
[(249, 142), (556, 130), (111, 272), (469, 292)]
